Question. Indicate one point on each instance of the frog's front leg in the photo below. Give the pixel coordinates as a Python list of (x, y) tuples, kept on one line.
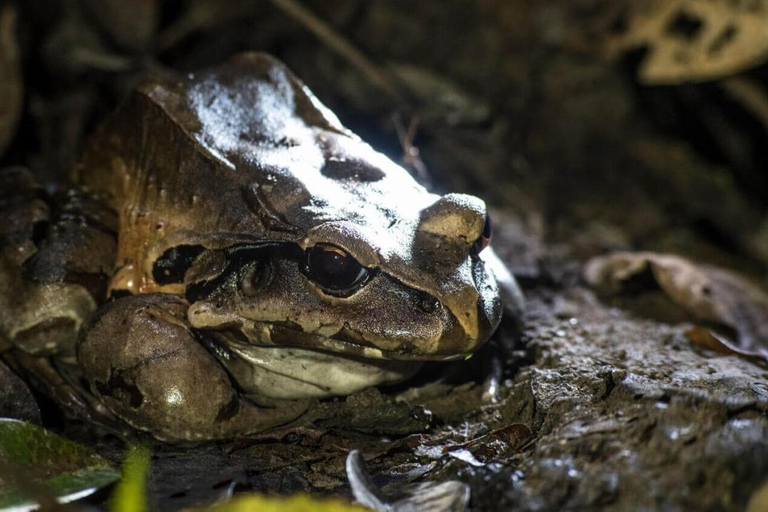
[(145, 363), (55, 256)]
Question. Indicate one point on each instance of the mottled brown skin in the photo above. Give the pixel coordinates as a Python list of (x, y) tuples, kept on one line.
[(153, 328), (195, 210)]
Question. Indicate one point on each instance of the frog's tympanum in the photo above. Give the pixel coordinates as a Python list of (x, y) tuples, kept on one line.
[(227, 251)]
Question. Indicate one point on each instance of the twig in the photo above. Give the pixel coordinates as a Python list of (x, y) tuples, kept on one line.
[(411, 155), (339, 44)]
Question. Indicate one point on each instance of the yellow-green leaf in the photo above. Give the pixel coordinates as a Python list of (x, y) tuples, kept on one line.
[(297, 503), (131, 492)]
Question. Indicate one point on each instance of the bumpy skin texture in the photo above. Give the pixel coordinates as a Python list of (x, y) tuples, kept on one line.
[(133, 340), (195, 209)]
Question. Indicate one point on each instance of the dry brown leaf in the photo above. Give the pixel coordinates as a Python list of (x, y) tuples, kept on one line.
[(11, 87), (694, 40), (707, 339), (758, 501), (709, 294)]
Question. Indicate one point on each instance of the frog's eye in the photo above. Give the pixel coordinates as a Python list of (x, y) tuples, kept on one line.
[(334, 270), (485, 237)]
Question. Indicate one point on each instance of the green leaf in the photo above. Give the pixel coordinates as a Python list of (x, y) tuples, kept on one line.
[(36, 465)]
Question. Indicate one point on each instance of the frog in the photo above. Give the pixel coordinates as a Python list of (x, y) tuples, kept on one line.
[(226, 252)]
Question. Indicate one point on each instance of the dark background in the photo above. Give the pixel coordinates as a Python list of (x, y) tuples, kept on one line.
[(587, 125)]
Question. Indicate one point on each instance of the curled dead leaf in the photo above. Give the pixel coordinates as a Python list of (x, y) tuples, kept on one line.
[(707, 293), (694, 40), (759, 500), (448, 496), (710, 340), (11, 87)]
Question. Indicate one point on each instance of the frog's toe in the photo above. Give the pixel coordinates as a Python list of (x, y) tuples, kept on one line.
[(147, 367)]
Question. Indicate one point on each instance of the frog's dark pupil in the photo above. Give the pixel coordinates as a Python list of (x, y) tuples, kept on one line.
[(333, 269)]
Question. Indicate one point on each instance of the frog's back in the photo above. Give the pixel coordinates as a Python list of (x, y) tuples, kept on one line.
[(158, 158)]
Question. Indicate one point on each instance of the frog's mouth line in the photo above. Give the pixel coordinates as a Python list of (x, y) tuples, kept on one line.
[(280, 372), (291, 337)]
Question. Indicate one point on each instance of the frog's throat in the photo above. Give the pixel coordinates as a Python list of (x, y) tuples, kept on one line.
[(297, 373)]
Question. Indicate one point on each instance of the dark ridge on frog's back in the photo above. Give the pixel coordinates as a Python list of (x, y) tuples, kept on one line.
[(354, 170)]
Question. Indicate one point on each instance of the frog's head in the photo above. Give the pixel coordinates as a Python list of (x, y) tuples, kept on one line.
[(405, 289), (331, 245), (359, 259)]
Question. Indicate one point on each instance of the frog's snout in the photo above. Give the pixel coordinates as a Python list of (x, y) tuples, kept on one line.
[(477, 314), (451, 235)]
